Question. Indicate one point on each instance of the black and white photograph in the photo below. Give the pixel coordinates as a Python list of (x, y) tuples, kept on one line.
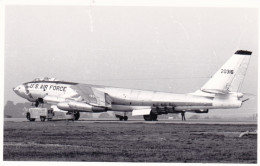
[(156, 82)]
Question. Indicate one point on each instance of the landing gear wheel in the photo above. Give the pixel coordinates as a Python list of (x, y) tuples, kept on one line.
[(151, 117), (147, 118), (42, 118), (125, 118), (154, 117), (121, 118)]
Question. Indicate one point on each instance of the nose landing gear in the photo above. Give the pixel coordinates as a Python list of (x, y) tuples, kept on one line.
[(121, 118), (38, 101)]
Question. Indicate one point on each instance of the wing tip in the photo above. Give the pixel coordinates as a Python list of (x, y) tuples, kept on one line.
[(243, 52)]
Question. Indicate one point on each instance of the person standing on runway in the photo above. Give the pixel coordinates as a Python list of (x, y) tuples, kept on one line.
[(183, 116)]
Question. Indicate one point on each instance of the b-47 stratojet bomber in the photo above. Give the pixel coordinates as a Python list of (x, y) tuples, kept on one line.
[(221, 91)]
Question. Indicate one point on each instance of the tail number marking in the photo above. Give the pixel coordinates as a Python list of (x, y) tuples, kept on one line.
[(227, 71)]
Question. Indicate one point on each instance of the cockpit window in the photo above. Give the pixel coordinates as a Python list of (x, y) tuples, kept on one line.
[(36, 79), (45, 79)]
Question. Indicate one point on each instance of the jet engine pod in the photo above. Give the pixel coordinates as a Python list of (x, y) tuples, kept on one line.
[(201, 111), (78, 106), (99, 109), (53, 99), (64, 106)]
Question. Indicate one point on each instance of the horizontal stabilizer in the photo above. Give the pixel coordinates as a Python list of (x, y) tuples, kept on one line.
[(141, 112), (215, 91)]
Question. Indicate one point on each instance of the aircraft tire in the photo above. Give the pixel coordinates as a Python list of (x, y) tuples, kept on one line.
[(151, 117), (154, 117), (125, 118), (147, 118), (42, 118), (121, 118), (32, 119)]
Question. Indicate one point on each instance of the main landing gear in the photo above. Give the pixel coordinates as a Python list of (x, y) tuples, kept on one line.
[(151, 117), (121, 118), (75, 115)]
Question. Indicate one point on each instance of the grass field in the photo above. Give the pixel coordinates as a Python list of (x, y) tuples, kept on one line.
[(128, 142)]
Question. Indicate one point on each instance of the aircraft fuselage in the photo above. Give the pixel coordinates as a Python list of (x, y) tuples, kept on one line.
[(123, 99)]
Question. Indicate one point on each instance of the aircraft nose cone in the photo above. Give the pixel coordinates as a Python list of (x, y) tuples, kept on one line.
[(18, 89)]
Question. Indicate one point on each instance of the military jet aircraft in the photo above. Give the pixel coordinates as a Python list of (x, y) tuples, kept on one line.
[(221, 91)]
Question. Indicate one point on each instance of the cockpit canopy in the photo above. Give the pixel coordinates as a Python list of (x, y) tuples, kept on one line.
[(44, 79)]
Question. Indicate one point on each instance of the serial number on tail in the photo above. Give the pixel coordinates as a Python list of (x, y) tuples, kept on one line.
[(227, 71)]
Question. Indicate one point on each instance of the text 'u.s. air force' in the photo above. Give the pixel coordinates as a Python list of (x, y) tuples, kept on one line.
[(48, 87)]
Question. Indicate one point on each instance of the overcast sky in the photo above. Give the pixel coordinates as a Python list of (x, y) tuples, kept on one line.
[(171, 49)]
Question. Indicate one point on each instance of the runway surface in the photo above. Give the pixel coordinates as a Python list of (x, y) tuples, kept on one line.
[(160, 121), (171, 141)]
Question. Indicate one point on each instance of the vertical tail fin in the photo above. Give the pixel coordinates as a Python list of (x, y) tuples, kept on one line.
[(230, 76)]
